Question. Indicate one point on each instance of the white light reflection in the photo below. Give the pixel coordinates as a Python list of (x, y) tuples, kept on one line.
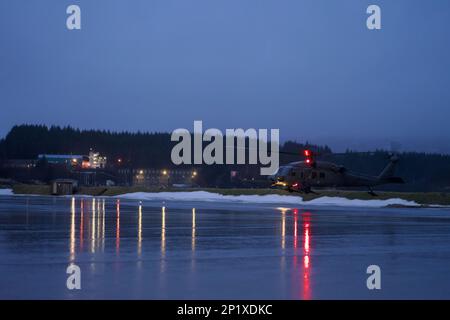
[(283, 227), (103, 225), (140, 231), (93, 226), (163, 232), (99, 213), (72, 231), (193, 230), (117, 225)]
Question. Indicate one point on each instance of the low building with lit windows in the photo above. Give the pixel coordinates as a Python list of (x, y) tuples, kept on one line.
[(70, 160), (157, 177), (96, 161)]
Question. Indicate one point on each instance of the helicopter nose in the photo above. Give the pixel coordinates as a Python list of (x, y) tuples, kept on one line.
[(274, 177)]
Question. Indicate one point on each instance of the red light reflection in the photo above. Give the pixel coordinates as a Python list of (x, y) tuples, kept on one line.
[(118, 226), (81, 224), (306, 218), (295, 229)]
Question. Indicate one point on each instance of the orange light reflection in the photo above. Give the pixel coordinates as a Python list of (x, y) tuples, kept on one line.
[(117, 225)]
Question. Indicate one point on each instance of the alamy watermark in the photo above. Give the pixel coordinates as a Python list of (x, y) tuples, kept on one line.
[(373, 22), (73, 21), (374, 280), (74, 279), (213, 153)]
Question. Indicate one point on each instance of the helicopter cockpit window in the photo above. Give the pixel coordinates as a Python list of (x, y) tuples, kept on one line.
[(283, 171)]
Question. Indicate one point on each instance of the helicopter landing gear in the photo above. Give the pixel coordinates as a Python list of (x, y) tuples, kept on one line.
[(301, 190), (372, 193), (306, 190)]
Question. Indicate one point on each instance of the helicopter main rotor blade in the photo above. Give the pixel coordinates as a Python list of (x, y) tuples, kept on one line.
[(279, 152), (316, 154)]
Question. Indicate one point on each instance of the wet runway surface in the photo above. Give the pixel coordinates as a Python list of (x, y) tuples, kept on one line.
[(129, 249)]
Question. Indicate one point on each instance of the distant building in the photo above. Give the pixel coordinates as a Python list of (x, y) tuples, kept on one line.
[(98, 177), (66, 159), (157, 177), (96, 161), (18, 163), (64, 186), (86, 178), (93, 161)]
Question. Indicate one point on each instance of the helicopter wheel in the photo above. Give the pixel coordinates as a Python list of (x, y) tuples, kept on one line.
[(307, 190)]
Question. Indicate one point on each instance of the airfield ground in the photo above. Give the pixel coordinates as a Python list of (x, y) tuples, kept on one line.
[(424, 198)]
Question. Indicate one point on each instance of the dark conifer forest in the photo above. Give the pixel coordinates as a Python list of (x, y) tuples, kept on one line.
[(421, 171)]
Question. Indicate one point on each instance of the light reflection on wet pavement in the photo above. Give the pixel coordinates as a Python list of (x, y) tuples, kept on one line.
[(210, 250)]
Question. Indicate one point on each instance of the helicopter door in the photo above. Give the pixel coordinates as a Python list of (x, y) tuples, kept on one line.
[(315, 177), (307, 175)]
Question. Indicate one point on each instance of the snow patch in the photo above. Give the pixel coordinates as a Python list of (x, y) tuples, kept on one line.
[(264, 199), (6, 192), (210, 197), (344, 202)]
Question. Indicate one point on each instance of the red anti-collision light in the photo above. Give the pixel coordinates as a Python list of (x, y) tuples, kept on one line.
[(307, 153)]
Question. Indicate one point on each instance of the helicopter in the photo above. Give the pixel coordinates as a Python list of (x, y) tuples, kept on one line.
[(302, 176)]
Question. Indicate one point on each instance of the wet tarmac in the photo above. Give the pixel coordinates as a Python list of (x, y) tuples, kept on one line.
[(127, 249)]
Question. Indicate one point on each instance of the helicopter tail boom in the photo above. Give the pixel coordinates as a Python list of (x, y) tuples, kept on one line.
[(394, 180), (387, 175)]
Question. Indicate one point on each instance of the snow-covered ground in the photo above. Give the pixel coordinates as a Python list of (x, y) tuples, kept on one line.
[(263, 199), (6, 192), (269, 199)]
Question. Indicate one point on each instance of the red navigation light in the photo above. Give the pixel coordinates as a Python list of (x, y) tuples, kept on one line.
[(307, 153)]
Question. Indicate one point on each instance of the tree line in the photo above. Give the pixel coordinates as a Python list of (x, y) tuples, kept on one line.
[(421, 171)]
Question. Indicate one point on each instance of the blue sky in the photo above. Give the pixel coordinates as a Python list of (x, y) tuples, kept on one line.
[(310, 68)]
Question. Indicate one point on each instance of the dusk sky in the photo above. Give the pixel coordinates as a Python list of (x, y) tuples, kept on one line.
[(308, 67)]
